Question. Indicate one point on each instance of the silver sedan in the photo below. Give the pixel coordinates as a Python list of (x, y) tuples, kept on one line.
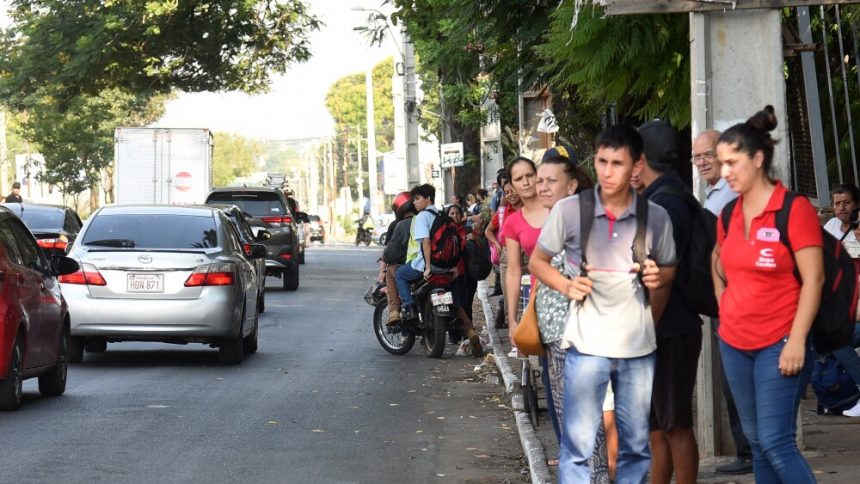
[(162, 273)]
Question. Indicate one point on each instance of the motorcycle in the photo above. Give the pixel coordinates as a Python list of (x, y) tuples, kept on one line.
[(362, 234), (435, 318)]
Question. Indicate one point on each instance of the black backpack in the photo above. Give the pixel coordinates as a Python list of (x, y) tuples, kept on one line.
[(833, 326), (446, 245), (478, 263), (586, 220), (694, 260)]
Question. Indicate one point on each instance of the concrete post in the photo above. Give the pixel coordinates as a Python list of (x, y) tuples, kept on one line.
[(413, 173), (737, 69)]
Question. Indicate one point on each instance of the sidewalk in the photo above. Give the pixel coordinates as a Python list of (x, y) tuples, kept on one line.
[(832, 443)]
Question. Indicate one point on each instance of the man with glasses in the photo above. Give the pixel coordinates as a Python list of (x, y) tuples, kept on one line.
[(704, 157), (718, 195)]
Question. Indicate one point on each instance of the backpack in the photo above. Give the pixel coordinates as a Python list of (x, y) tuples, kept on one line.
[(446, 245), (833, 326), (694, 260), (586, 220), (478, 264), (834, 387)]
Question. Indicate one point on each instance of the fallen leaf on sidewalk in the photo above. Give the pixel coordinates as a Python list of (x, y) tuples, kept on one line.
[(318, 431)]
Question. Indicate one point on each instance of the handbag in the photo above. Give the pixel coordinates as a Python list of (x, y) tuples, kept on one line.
[(527, 335)]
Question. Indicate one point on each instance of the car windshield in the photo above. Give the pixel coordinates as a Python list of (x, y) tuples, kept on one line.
[(152, 231), (43, 219), (256, 204)]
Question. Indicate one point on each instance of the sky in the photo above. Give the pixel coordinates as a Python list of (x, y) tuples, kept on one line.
[(294, 108)]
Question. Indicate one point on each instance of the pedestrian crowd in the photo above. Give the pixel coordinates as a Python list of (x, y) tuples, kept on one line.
[(609, 268)]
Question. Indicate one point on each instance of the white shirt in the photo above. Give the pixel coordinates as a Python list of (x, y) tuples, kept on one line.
[(852, 245), (717, 196)]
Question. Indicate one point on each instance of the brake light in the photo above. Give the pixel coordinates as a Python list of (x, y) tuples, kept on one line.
[(58, 244), (286, 256), (278, 221), (87, 274), (211, 275)]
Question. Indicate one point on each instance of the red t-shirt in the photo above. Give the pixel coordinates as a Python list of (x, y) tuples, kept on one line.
[(760, 301), (516, 227)]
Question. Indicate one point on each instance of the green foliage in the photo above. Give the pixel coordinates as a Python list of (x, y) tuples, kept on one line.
[(347, 103), (639, 62), (86, 46), (77, 142), (234, 156)]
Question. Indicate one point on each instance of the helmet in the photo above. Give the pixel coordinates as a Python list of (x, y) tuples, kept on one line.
[(404, 209), (399, 200)]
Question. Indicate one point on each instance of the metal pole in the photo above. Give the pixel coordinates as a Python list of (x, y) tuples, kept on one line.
[(371, 142), (413, 173), (830, 93), (845, 93), (813, 108)]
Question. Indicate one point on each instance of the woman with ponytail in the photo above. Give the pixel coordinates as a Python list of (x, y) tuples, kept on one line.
[(766, 312)]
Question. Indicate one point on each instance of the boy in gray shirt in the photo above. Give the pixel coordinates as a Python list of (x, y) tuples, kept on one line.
[(610, 334)]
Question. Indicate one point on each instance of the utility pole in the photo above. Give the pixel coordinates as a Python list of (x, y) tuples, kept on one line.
[(371, 143), (4, 161), (413, 172), (359, 180)]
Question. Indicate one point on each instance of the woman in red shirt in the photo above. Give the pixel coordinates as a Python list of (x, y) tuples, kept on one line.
[(765, 312)]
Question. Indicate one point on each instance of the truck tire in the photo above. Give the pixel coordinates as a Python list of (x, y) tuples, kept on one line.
[(291, 279)]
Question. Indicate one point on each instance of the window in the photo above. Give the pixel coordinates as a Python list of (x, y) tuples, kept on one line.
[(31, 255), (9, 245), (152, 231), (260, 204)]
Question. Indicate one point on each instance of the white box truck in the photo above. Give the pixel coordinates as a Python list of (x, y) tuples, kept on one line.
[(162, 165)]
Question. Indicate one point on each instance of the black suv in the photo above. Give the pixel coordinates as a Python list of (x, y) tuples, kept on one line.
[(267, 209)]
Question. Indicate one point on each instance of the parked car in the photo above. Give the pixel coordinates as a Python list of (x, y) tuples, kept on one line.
[(34, 328), (168, 273), (300, 219), (54, 226), (316, 229), (267, 209), (248, 239)]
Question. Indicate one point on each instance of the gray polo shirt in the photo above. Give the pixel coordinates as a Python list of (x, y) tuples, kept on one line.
[(718, 196), (613, 321)]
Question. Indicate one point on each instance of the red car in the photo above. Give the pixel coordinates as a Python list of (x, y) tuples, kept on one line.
[(34, 319)]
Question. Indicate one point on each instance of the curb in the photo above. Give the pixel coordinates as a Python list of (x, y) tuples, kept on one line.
[(532, 446)]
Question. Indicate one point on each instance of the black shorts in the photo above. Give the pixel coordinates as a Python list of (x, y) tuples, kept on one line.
[(674, 381)]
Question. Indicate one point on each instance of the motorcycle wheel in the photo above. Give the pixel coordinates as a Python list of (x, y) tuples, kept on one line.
[(433, 339), (393, 342)]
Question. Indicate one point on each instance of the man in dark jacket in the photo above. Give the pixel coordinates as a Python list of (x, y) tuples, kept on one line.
[(394, 255), (679, 331), (15, 196)]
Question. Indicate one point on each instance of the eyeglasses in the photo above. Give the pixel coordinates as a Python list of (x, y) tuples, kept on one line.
[(708, 156)]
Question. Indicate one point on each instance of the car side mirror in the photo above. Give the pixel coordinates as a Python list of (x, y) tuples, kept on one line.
[(264, 235), (64, 265), (302, 217), (258, 251)]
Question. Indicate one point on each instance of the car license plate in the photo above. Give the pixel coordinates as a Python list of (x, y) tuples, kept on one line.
[(146, 283), (441, 298)]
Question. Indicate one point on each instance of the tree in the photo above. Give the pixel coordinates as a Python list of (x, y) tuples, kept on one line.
[(234, 156), (347, 103), (86, 46), (77, 142)]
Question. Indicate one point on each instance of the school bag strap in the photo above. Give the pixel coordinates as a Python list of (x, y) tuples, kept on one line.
[(639, 248), (726, 216), (586, 219)]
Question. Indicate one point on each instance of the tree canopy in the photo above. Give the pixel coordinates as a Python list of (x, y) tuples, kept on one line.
[(234, 156), (86, 46)]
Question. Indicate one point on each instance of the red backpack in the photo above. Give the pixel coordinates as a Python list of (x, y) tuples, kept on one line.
[(446, 245)]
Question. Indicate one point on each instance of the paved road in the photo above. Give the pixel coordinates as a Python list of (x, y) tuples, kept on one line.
[(319, 402)]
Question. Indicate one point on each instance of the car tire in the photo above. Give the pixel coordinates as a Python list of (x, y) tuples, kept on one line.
[(291, 279), (76, 350), (96, 345), (53, 383), (12, 388), (261, 302), (249, 344), (302, 257)]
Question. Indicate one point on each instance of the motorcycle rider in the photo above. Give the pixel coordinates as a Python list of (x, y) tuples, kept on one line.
[(418, 253), (360, 230), (394, 254)]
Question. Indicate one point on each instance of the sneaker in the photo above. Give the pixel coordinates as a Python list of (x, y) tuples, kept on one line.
[(477, 349), (393, 319), (736, 467), (408, 313), (853, 411)]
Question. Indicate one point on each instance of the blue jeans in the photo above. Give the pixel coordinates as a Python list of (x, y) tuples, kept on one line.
[(767, 404), (404, 277), (585, 381), (848, 358)]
